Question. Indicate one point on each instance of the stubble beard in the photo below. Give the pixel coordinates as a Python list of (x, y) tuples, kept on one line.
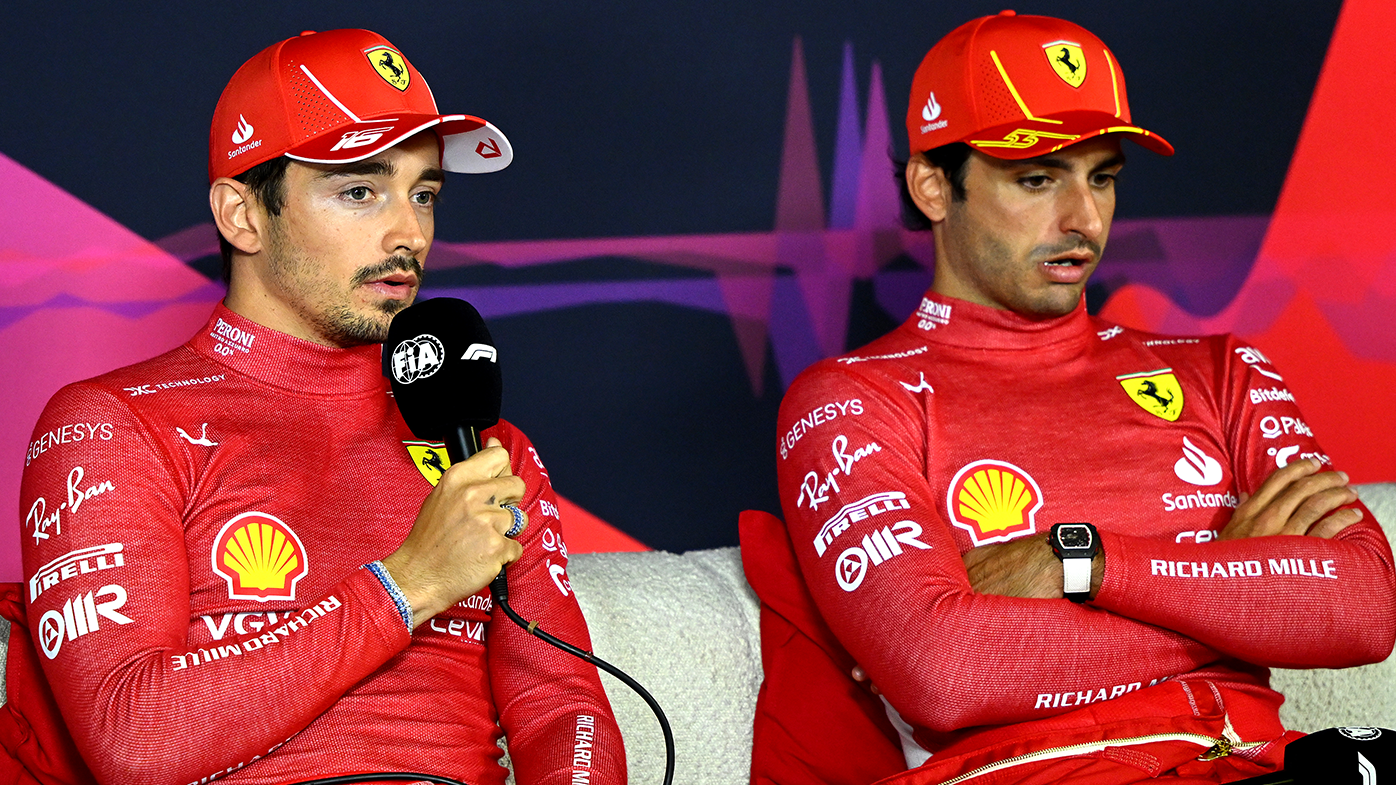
[(997, 272), (319, 301)]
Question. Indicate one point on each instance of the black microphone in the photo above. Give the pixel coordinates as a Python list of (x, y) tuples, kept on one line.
[(444, 369)]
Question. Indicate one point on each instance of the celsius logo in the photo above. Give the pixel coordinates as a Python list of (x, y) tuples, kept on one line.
[(1197, 467), (479, 351), (929, 112), (418, 358), (243, 132)]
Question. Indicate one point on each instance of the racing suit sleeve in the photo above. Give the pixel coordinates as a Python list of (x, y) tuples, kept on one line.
[(886, 575), (108, 585), (551, 705), (1281, 601)]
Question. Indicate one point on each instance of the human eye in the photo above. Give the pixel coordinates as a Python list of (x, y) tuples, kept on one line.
[(1034, 182), (1104, 179), (427, 198), (357, 193)]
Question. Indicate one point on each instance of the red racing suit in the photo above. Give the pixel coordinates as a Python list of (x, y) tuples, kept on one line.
[(194, 528), (969, 425)]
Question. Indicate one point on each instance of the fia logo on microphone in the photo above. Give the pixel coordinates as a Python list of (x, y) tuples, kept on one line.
[(417, 358)]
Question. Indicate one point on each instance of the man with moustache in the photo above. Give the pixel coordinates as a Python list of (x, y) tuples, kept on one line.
[(254, 577), (1062, 550)]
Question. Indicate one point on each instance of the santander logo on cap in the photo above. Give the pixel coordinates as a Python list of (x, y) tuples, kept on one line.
[(931, 110), (929, 113), (243, 132)]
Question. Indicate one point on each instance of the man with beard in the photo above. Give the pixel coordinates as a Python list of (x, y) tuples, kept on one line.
[(1063, 550), (245, 570)]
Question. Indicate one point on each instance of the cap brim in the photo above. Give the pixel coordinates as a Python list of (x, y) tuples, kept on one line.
[(1032, 138), (468, 144)]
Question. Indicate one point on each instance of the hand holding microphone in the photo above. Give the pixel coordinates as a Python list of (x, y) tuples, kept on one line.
[(442, 364), (457, 544)]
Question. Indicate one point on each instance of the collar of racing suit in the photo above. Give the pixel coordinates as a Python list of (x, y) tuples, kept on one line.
[(947, 320), (287, 362)]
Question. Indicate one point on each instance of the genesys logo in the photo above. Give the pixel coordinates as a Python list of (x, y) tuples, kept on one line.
[(1197, 467), (816, 417), (877, 548), (861, 510), (994, 501), (83, 561), (68, 434), (81, 616), (260, 557)]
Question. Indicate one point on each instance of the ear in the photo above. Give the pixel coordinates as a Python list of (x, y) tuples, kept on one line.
[(929, 187), (236, 215)]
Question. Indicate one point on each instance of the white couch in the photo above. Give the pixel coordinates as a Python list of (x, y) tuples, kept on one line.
[(686, 627)]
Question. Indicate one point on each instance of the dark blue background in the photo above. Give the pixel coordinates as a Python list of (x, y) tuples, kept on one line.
[(635, 118)]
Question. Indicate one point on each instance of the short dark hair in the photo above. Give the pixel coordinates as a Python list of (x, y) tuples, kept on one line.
[(951, 159), (266, 182)]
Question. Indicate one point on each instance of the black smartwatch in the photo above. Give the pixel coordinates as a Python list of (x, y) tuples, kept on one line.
[(1076, 544)]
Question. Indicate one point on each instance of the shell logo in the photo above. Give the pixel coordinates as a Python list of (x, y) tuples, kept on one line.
[(260, 557), (994, 501)]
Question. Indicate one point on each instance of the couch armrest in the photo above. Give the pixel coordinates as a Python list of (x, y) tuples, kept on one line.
[(686, 627), (1324, 698)]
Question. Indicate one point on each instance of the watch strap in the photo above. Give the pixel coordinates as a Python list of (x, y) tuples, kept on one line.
[(1076, 579)]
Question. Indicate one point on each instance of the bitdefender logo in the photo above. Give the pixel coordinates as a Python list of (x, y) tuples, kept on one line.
[(929, 113)]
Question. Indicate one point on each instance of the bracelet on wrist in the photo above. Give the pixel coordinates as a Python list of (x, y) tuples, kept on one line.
[(404, 608)]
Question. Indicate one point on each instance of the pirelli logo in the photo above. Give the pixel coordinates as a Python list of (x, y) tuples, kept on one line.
[(74, 563), (860, 510)]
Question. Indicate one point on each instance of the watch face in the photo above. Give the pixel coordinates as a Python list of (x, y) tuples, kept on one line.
[(1074, 537)]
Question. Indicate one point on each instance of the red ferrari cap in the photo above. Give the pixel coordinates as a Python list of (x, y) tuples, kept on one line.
[(1020, 86), (336, 97)]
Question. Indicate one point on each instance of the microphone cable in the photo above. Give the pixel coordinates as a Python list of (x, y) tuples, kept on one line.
[(500, 589)]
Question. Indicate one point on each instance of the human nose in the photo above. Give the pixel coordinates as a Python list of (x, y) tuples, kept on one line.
[(407, 231), (1085, 211)]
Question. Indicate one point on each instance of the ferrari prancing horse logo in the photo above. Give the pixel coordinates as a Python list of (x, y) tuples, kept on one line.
[(1156, 392), (390, 65), (1067, 60), (430, 459)]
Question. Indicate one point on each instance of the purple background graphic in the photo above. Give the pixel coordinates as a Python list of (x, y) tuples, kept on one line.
[(86, 295)]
